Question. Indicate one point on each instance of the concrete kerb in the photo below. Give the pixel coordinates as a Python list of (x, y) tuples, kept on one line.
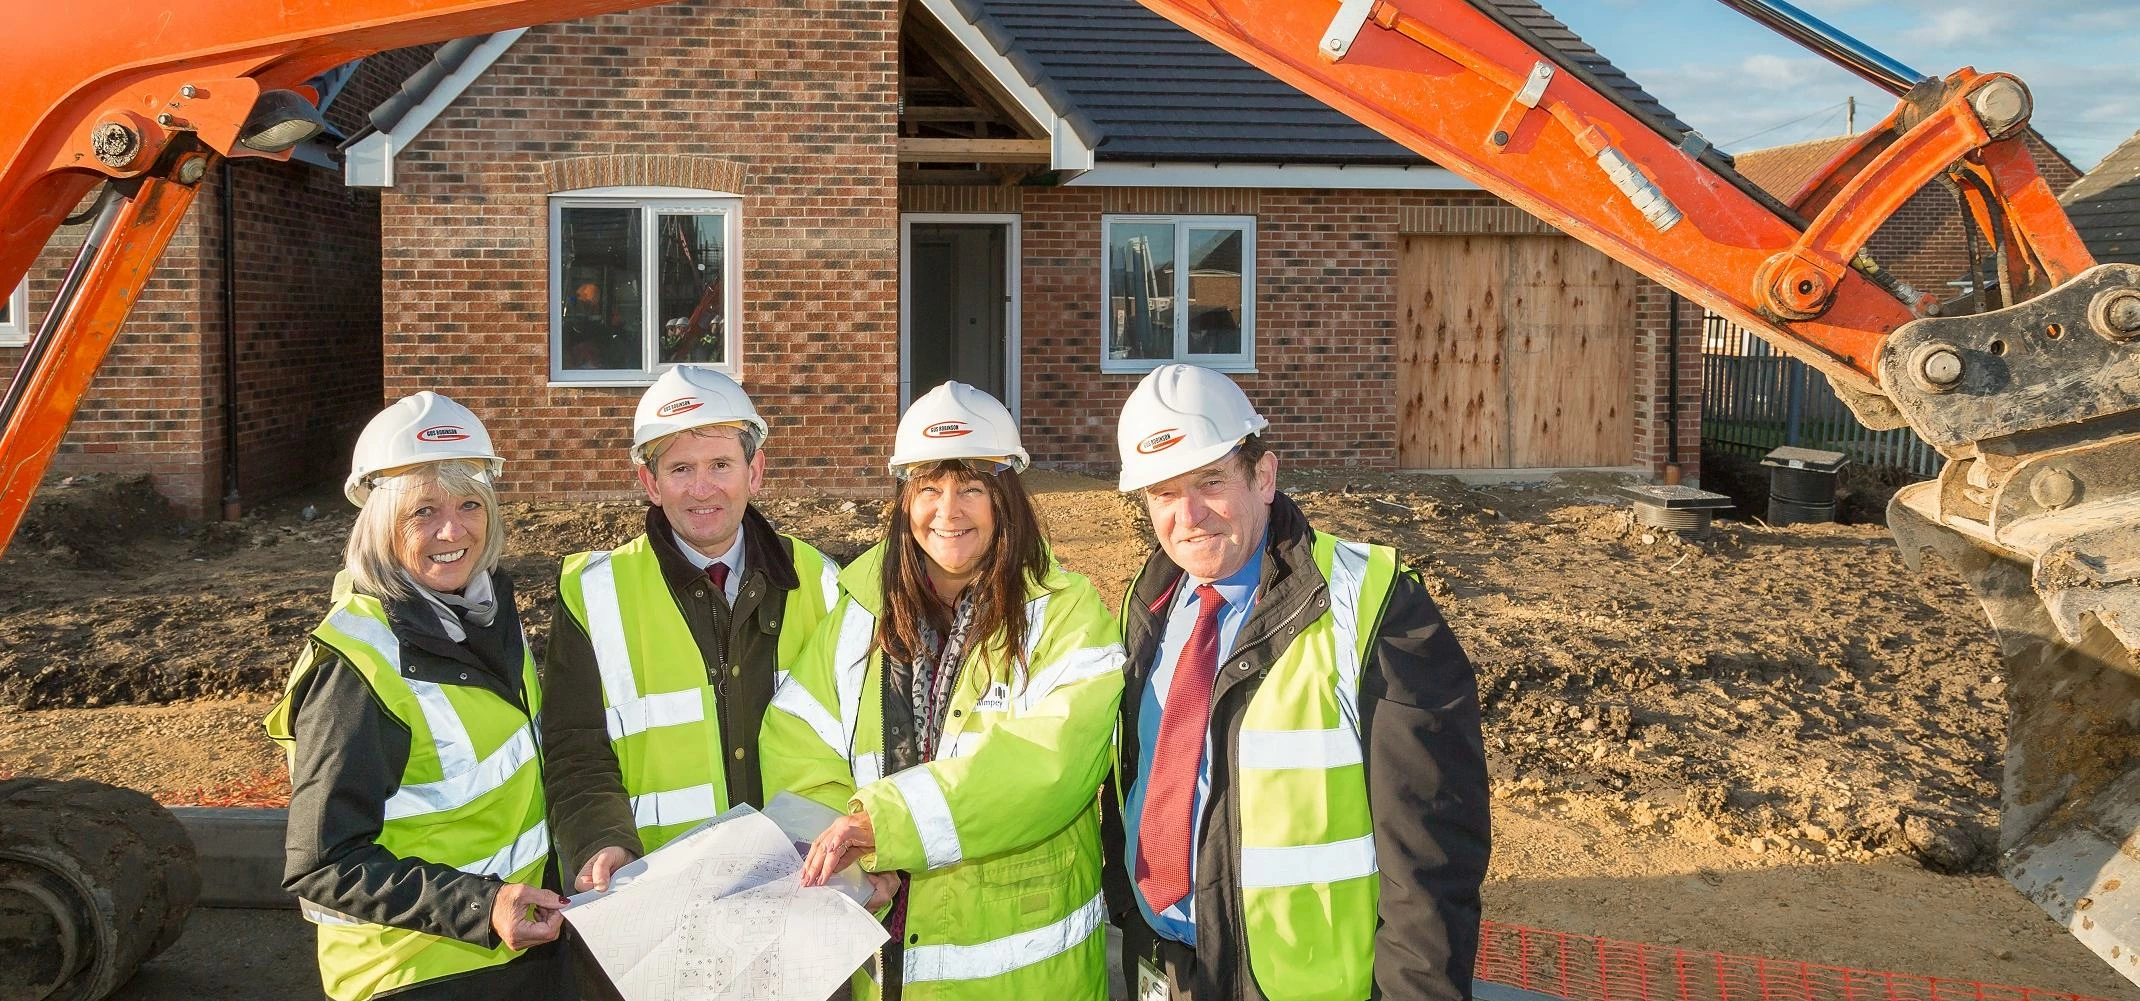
[(240, 851)]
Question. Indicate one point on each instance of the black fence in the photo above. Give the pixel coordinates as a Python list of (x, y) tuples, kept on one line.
[(1754, 398)]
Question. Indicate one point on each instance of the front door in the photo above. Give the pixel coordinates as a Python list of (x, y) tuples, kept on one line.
[(958, 307)]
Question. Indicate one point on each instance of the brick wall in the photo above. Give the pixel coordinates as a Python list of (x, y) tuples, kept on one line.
[(1925, 243), (796, 102), (1325, 321)]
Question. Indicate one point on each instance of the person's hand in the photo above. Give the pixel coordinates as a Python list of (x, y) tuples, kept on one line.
[(882, 886), (595, 874), (526, 916), (848, 839)]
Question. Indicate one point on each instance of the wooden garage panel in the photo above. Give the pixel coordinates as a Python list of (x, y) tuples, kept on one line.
[(1513, 352)]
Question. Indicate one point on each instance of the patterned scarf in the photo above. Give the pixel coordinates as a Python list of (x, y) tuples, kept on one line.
[(935, 676)]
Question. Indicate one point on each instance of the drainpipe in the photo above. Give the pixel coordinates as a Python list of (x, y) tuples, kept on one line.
[(1671, 403), (231, 507)]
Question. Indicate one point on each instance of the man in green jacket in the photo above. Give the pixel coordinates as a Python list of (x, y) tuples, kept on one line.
[(1299, 809), (663, 652)]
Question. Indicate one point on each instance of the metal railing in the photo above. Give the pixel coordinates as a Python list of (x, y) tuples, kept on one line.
[(1754, 398)]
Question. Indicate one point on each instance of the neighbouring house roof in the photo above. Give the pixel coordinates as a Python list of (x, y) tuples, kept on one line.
[(1153, 91), (1783, 170), (2105, 205)]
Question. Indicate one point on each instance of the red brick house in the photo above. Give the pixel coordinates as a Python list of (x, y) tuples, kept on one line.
[(301, 252), (1042, 197), (1924, 243)]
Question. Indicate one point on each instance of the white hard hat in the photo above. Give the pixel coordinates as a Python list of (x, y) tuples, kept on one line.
[(1181, 418), (417, 429), (957, 421), (686, 397)]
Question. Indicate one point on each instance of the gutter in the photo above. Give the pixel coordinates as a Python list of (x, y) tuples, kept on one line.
[(368, 160)]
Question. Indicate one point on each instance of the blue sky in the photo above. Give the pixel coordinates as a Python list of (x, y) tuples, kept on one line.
[(1746, 88)]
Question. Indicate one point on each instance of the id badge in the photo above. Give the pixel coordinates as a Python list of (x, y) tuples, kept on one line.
[(1151, 984)]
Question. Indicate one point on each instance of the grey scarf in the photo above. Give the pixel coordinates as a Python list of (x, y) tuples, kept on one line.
[(935, 676), (477, 604)]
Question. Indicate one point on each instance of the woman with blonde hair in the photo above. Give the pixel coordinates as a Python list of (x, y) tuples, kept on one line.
[(417, 842), (957, 707)]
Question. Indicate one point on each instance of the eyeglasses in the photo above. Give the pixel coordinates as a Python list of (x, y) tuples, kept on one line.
[(983, 466)]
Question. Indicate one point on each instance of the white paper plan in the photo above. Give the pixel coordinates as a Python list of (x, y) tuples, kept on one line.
[(721, 913)]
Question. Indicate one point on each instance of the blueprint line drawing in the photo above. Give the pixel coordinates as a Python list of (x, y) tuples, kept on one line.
[(720, 913)]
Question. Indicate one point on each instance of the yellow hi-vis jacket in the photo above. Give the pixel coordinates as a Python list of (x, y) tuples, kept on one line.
[(663, 715), (1001, 831), (470, 797), (1309, 885)]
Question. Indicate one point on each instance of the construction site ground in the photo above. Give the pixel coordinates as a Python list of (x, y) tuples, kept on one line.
[(1775, 742)]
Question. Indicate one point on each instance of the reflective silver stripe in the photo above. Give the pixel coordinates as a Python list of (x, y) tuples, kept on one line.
[(789, 696), (1333, 748), (526, 850), (666, 709), (676, 806), (371, 632), (1348, 574), (828, 578), (1303, 864), (1011, 952), (868, 768), (1076, 666), (932, 816), (850, 664), (472, 782), (1036, 611), (605, 630), (325, 915)]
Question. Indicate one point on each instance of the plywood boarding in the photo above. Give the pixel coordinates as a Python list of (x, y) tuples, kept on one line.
[(1514, 352), (1452, 403)]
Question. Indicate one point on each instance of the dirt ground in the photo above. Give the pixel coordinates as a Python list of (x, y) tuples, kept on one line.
[(1774, 742)]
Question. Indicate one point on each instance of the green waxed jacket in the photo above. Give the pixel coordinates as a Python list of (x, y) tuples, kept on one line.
[(1000, 832)]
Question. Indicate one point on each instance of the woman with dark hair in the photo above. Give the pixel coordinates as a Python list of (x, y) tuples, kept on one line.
[(958, 708)]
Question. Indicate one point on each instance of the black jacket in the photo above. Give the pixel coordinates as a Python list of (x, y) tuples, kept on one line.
[(1425, 771), (350, 754), (589, 810)]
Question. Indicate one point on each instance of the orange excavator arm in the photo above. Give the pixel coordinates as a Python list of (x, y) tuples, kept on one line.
[(2036, 404), (145, 97)]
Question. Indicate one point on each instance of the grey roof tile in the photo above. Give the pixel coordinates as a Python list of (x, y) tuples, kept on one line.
[(1144, 89)]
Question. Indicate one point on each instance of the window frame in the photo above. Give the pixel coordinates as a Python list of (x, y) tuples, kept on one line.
[(16, 331), (652, 202), (1242, 362)]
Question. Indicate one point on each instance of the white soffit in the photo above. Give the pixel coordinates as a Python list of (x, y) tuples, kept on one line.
[(369, 162), (1424, 177), (1067, 150)]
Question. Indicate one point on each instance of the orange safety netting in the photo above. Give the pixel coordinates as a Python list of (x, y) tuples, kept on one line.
[(1588, 968)]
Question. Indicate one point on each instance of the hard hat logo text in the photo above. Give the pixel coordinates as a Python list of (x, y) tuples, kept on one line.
[(946, 429), (1160, 441), (680, 405), (442, 432)]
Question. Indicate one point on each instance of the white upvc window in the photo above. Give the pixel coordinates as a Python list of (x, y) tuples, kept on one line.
[(15, 316), (643, 279), (1178, 289)]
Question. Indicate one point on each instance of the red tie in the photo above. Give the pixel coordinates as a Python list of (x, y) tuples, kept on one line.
[(1164, 830), (719, 574)]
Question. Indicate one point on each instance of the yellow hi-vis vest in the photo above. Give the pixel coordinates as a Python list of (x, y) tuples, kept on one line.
[(1001, 829), (1309, 882), (663, 715), (470, 797)]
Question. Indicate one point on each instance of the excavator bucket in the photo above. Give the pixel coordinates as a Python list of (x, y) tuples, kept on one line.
[(2061, 591)]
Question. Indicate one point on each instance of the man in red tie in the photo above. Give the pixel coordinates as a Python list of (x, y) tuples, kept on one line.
[(663, 651), (1299, 809)]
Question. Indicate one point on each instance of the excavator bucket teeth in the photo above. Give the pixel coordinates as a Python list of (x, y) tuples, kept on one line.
[(2069, 828)]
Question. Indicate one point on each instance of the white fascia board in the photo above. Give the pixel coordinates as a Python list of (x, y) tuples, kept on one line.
[(1067, 151), (1425, 177), (369, 162)]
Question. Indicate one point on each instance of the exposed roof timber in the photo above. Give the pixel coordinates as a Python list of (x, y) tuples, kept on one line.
[(913, 150), (980, 90), (1073, 136)]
